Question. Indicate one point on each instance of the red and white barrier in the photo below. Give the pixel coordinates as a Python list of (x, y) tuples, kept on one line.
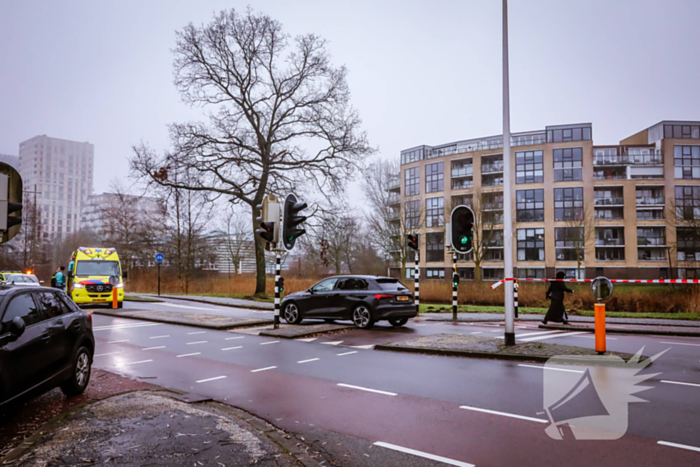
[(621, 281)]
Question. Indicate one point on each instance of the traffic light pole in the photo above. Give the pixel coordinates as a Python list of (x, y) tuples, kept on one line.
[(159, 279), (416, 278), (277, 290), (454, 287)]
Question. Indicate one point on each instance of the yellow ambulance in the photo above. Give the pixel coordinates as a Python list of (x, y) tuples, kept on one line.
[(88, 276)]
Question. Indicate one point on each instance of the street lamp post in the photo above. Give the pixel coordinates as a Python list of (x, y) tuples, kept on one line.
[(507, 192)]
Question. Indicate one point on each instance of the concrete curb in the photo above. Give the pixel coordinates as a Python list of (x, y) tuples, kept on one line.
[(658, 332), (220, 327), (623, 321), (305, 332), (463, 353), (210, 302)]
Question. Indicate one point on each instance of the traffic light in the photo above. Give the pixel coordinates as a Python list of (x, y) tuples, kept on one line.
[(269, 219), (280, 284), (290, 220), (413, 241), (10, 202), (455, 279), (462, 221)]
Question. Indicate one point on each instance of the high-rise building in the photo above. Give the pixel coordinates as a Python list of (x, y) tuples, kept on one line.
[(61, 171), (620, 210), (143, 208)]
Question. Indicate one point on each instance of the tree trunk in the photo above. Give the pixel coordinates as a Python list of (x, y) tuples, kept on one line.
[(477, 272), (260, 276)]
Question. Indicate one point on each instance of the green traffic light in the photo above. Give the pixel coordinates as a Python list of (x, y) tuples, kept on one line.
[(465, 240)]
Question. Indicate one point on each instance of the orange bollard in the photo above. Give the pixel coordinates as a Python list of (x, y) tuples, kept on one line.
[(115, 301), (600, 328)]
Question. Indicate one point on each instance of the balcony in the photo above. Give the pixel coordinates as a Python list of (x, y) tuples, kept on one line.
[(462, 184), (609, 201), (464, 171), (492, 206), (394, 199), (628, 159), (393, 216), (492, 180), (493, 167), (651, 241), (651, 255), (394, 184), (610, 175), (609, 214), (609, 242), (650, 201)]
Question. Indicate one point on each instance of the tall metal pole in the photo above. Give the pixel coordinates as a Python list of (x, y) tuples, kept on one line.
[(277, 290), (159, 279), (454, 286), (507, 192), (416, 278)]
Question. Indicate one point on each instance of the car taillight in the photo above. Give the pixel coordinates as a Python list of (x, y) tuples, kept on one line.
[(90, 315), (380, 296)]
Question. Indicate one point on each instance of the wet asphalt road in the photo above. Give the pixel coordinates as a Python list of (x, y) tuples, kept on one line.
[(335, 386)]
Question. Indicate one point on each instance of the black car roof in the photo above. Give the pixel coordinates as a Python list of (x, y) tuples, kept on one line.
[(5, 289), (360, 276)]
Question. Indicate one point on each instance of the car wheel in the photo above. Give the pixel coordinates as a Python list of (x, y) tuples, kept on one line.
[(80, 374), (292, 315), (362, 317), (398, 321)]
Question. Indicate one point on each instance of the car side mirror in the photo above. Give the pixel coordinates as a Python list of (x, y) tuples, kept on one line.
[(311, 290), (17, 326)]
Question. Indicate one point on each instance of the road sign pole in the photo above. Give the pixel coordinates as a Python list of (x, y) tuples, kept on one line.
[(507, 192), (515, 297), (416, 278), (277, 290), (454, 286), (159, 279)]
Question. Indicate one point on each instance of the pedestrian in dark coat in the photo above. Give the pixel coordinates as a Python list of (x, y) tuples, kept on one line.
[(557, 312)]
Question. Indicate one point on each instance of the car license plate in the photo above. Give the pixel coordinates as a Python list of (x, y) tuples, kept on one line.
[(401, 297), (99, 299)]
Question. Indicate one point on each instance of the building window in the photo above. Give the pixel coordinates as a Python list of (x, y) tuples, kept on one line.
[(435, 273), (569, 243), (568, 204), (569, 134), (530, 244), (413, 181), (492, 274), (434, 177), (651, 236), (466, 273), (529, 205), (610, 254), (567, 164), (414, 155), (413, 214), (689, 273), (434, 212), (688, 242), (687, 161), (531, 273), (610, 236), (573, 273), (529, 167), (688, 202), (435, 246), (682, 131)]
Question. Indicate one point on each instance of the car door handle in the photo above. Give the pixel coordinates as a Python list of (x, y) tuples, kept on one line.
[(45, 336)]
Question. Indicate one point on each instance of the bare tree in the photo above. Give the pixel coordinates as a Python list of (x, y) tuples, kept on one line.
[(333, 237), (234, 226), (687, 221), (578, 233), (271, 98)]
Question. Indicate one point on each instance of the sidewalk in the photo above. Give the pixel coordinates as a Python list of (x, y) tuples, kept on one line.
[(232, 302), (474, 317)]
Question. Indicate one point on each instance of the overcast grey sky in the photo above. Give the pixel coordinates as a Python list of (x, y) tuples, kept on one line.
[(421, 72)]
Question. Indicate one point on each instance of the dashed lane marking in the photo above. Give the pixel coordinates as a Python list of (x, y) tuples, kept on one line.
[(136, 363), (198, 342), (232, 348), (197, 332), (679, 343), (154, 348), (159, 337), (185, 306), (549, 368), (188, 354), (551, 336), (681, 383), (124, 326), (535, 333), (231, 338), (210, 379), (364, 347), (105, 354), (332, 343), (308, 339), (377, 391), (504, 414), (424, 455), (116, 342), (681, 446), (271, 342), (263, 369), (309, 360), (346, 353)]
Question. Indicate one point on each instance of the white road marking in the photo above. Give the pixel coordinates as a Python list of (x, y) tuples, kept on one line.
[(679, 343), (527, 334), (308, 339), (198, 342), (551, 336), (232, 348), (332, 343), (154, 348), (263, 369), (185, 306), (210, 379), (271, 342), (105, 354), (188, 354), (593, 337), (425, 455), (116, 342), (346, 353), (680, 382), (193, 333), (377, 391), (124, 326), (681, 446), (231, 338), (365, 347), (309, 360), (159, 337), (549, 368), (477, 332), (135, 363), (494, 412)]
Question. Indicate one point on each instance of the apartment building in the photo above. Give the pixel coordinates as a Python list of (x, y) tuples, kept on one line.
[(61, 172), (96, 207), (616, 208)]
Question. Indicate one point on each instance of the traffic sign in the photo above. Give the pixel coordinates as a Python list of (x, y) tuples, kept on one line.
[(159, 257)]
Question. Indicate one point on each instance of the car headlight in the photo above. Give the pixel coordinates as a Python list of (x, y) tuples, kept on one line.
[(78, 286)]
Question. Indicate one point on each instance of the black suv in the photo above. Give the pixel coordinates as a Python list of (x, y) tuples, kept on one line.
[(45, 341)]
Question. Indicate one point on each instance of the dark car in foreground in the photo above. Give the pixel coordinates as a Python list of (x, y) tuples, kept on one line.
[(46, 341), (362, 299)]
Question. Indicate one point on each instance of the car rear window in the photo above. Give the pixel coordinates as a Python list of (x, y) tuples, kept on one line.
[(391, 284)]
